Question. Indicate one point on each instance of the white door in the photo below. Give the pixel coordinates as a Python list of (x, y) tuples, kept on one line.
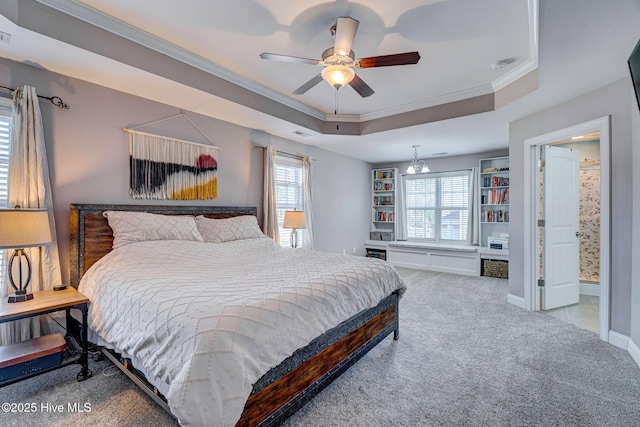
[(561, 232)]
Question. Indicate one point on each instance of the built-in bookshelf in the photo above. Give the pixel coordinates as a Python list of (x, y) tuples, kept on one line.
[(493, 200), (383, 202)]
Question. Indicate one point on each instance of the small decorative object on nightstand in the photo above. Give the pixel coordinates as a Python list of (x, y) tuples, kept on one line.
[(294, 220), (19, 229)]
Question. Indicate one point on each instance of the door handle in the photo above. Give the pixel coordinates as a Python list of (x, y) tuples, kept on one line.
[(579, 234)]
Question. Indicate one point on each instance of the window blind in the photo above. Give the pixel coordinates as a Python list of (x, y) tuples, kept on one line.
[(437, 206), (5, 136), (289, 195)]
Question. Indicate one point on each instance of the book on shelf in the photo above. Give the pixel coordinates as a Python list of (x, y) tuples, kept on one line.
[(497, 215), (495, 197), (384, 201), (495, 181), (383, 174), (384, 216), (383, 186)]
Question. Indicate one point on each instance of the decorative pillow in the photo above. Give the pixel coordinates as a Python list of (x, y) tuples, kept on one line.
[(227, 229), (131, 227)]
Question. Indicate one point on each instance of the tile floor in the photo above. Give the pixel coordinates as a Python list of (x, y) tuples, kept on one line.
[(585, 314)]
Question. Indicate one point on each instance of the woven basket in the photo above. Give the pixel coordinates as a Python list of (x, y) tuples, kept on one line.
[(493, 268)]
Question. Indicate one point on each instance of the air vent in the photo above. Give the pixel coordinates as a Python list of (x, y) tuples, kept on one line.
[(302, 134)]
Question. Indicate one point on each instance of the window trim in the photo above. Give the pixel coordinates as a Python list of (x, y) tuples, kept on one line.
[(287, 161), (437, 208)]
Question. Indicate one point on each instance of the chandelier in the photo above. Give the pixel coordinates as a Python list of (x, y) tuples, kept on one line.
[(417, 166)]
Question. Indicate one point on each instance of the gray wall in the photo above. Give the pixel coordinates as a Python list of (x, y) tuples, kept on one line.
[(443, 164), (88, 158), (613, 100), (635, 256)]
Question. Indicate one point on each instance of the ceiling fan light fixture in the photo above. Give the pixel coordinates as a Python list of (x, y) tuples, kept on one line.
[(338, 75)]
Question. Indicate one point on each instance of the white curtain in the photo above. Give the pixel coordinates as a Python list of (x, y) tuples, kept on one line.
[(30, 187), (308, 241), (473, 226), (269, 207), (401, 217)]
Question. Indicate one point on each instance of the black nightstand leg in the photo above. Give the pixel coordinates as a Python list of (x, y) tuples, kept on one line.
[(84, 357)]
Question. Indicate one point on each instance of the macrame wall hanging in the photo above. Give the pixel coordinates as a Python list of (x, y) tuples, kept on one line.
[(169, 168)]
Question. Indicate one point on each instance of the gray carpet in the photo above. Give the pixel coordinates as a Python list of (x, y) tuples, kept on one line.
[(465, 357)]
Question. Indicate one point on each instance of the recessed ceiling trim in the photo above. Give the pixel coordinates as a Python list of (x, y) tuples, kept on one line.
[(101, 20), (532, 62), (516, 74), (427, 103), (343, 118)]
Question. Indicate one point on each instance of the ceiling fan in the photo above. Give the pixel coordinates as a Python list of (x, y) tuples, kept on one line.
[(339, 61)]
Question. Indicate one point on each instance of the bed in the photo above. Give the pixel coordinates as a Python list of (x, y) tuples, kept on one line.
[(306, 357)]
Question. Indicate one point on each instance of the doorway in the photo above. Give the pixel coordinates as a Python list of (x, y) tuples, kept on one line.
[(574, 288), (579, 303)]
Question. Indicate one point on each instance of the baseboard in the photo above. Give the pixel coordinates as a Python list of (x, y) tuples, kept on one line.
[(516, 300), (619, 340), (634, 351), (589, 289)]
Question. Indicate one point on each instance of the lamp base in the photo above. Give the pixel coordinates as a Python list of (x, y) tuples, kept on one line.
[(20, 296), (294, 238)]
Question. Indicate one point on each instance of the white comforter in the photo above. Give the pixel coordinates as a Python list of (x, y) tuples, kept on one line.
[(208, 319)]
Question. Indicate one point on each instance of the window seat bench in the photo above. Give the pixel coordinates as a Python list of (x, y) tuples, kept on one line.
[(447, 258)]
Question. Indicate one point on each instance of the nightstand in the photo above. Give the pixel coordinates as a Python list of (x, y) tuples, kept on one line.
[(43, 303)]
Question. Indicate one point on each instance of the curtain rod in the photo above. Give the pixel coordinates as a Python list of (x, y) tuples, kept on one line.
[(55, 100), (284, 153)]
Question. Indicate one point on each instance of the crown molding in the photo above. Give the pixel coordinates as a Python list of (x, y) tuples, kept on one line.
[(329, 117), (430, 102), (101, 20), (530, 63), (108, 23), (514, 75)]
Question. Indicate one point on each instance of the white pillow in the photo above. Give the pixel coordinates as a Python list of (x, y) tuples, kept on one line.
[(227, 229), (131, 227)]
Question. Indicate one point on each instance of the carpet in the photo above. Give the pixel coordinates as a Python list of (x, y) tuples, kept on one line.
[(465, 358)]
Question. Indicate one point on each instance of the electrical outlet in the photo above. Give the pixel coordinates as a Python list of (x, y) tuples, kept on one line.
[(344, 251), (5, 37)]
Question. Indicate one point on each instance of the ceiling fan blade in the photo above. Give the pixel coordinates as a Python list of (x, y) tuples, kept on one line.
[(308, 85), (361, 87), (287, 58), (346, 28), (388, 60)]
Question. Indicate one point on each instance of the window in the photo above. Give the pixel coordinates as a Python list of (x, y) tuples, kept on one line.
[(289, 194), (437, 206), (5, 135)]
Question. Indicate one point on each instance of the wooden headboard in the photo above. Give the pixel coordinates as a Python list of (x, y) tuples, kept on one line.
[(91, 237)]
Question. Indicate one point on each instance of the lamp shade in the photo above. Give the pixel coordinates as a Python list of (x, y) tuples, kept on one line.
[(294, 219), (24, 228)]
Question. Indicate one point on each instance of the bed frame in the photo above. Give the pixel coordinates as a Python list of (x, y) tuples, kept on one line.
[(288, 386)]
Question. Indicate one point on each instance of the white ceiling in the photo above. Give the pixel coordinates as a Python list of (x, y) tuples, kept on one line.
[(582, 46)]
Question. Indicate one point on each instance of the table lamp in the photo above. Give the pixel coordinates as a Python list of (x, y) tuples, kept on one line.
[(19, 229), (294, 220)]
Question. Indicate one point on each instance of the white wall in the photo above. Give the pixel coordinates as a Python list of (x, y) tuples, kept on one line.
[(88, 158), (613, 100)]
